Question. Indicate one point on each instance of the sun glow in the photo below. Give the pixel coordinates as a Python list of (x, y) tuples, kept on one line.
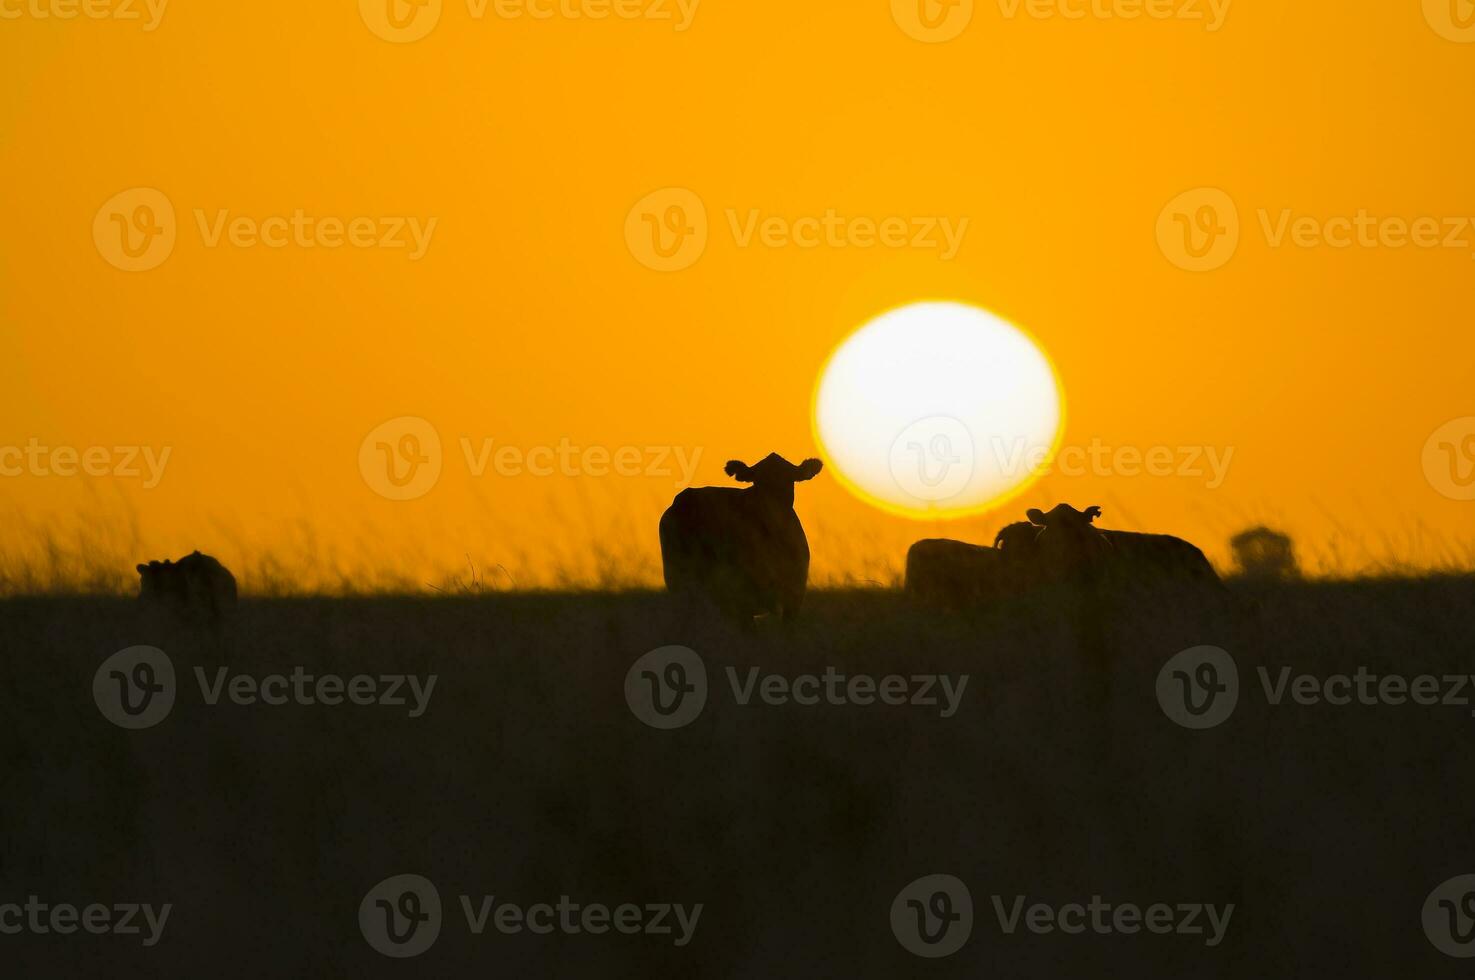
[(938, 410)]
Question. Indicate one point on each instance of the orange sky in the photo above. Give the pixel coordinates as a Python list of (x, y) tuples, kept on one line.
[(528, 319)]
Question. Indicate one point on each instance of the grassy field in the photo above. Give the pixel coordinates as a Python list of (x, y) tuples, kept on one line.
[(528, 777)]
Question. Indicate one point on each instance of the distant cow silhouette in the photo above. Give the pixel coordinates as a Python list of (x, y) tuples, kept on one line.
[(196, 588), (956, 575), (1264, 554), (742, 549)]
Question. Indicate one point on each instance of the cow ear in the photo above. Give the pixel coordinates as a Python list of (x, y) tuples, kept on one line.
[(1092, 513), (1036, 516), (739, 471), (808, 470)]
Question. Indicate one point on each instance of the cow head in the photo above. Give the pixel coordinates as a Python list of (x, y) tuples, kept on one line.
[(1064, 517), (152, 578), (1070, 548), (773, 475)]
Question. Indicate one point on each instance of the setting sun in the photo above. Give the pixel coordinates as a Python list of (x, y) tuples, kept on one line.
[(938, 410)]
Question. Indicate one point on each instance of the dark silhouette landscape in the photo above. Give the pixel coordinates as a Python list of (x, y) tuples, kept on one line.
[(1031, 756)]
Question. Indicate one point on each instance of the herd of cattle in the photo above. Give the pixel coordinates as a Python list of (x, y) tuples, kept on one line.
[(743, 550)]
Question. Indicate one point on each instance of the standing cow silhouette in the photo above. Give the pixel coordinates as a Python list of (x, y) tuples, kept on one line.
[(742, 549)]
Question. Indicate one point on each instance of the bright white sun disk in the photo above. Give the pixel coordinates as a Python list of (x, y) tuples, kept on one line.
[(938, 410)]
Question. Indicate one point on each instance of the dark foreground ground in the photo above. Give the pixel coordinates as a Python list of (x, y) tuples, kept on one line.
[(528, 777)]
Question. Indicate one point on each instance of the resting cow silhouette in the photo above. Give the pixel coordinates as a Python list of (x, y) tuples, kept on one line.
[(1059, 547), (956, 575), (742, 549), (196, 588), (1066, 543)]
